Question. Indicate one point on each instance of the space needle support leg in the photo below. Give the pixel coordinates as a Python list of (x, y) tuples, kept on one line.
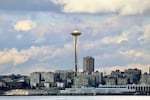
[(76, 63)]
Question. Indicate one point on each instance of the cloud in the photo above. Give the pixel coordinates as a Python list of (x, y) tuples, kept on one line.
[(34, 5), (105, 41), (127, 7), (135, 54), (15, 57), (24, 25), (41, 32), (12, 56), (116, 39)]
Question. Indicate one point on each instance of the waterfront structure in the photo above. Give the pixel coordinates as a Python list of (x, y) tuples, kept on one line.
[(140, 88), (88, 64), (26, 92), (102, 89), (134, 89), (76, 33)]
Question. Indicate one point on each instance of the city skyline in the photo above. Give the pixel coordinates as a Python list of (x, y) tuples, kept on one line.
[(35, 35), (64, 82)]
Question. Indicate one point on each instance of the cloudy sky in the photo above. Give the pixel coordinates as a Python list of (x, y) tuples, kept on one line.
[(35, 34)]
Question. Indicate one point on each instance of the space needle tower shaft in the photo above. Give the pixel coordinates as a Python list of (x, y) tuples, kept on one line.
[(75, 33)]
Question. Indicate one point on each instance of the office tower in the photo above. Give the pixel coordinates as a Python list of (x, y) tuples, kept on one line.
[(88, 64), (76, 33)]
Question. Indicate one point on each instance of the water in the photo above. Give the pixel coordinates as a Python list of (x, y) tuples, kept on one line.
[(74, 97)]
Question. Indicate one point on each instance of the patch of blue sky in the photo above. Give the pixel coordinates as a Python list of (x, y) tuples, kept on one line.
[(86, 17), (47, 20)]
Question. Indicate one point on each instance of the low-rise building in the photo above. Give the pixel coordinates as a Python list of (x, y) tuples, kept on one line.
[(122, 80), (98, 77), (145, 79), (109, 80), (134, 75), (65, 76), (116, 73), (80, 82), (2, 83)]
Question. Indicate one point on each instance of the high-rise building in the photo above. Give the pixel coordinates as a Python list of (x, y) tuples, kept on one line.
[(88, 64)]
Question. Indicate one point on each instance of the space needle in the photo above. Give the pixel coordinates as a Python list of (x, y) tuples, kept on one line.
[(75, 33)]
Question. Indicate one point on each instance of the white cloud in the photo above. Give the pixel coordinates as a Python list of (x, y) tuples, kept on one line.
[(135, 54), (123, 7), (87, 45), (43, 31), (15, 57), (12, 56), (106, 40), (116, 39), (24, 25)]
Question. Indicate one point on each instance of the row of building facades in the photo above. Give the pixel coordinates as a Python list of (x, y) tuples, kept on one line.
[(62, 79), (67, 79)]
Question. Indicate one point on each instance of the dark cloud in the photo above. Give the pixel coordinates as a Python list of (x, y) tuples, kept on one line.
[(28, 5)]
